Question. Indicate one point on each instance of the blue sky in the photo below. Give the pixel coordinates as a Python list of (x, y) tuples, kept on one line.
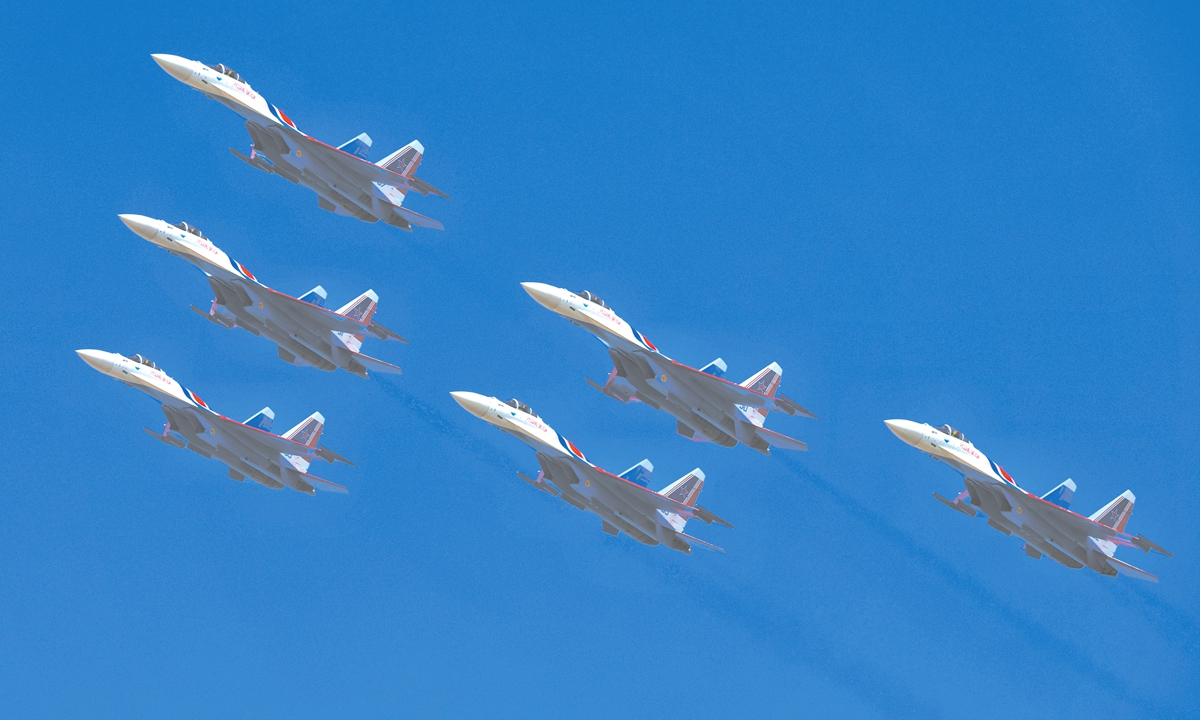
[(982, 217)]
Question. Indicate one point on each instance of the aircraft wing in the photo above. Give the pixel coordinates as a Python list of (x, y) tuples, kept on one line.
[(253, 437), (728, 392), (351, 167), (636, 496), (308, 315), (714, 387), (1073, 525)]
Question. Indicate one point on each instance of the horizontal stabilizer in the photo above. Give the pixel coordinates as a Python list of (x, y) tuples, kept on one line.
[(708, 517), (425, 188), (323, 484), (958, 505), (775, 439), (1146, 546), (330, 456), (1127, 569), (540, 484), (415, 218), (306, 483), (376, 365), (383, 333), (791, 407), (701, 543)]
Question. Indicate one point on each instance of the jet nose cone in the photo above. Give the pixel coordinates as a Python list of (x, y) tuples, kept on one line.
[(473, 403), (547, 295), (177, 67), (907, 430), (98, 359), (142, 225)]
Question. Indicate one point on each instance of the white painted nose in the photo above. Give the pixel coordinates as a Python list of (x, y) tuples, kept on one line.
[(177, 67), (142, 225), (907, 430), (546, 295), (473, 403), (98, 359)]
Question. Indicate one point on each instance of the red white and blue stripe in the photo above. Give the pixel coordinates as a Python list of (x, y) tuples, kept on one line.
[(1000, 472), (643, 340), (196, 399), (281, 117)]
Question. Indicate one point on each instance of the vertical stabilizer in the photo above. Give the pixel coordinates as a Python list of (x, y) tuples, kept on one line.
[(639, 474), (765, 381), (686, 489), (262, 419), (716, 368), (316, 296), (308, 431), (405, 160), (359, 146), (361, 308), (1062, 495), (1116, 513)]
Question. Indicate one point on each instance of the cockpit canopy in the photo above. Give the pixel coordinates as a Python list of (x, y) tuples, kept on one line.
[(520, 406), (144, 361), (227, 71), (191, 229), (591, 298), (953, 433)]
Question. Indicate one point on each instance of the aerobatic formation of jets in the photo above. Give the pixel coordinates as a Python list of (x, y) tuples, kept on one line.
[(706, 406)]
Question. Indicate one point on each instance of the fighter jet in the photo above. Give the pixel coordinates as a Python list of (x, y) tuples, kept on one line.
[(706, 406), (345, 181), (305, 332), (623, 502), (1045, 523), (249, 449)]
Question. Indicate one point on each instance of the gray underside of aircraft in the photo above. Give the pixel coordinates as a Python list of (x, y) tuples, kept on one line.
[(703, 406), (247, 452), (302, 332), (335, 176), (621, 509)]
